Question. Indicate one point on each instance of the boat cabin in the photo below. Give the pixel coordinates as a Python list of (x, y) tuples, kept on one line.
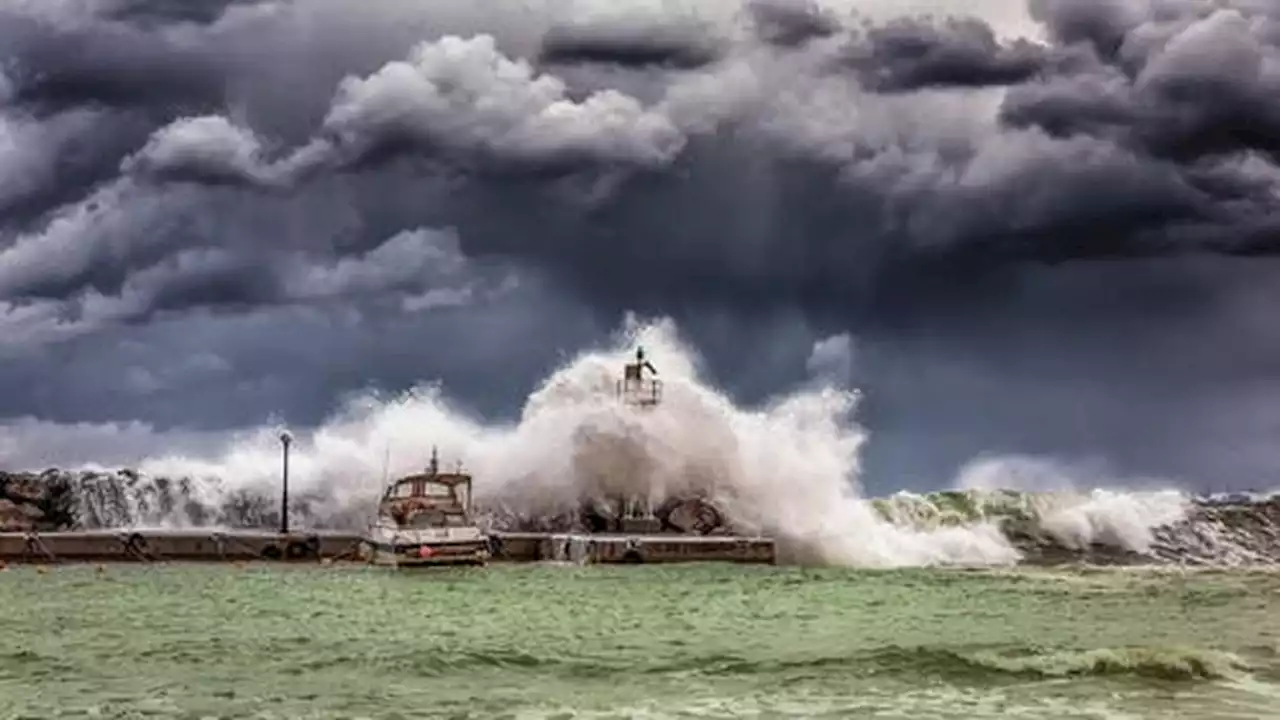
[(430, 499)]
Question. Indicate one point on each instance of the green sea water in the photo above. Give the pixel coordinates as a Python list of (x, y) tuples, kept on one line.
[(527, 641)]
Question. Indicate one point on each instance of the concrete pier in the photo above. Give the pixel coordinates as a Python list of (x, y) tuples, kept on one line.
[(637, 549), (162, 545), (234, 546)]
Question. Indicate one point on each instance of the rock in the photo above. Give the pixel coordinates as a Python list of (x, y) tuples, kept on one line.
[(18, 518), (43, 502), (694, 515), (23, 489)]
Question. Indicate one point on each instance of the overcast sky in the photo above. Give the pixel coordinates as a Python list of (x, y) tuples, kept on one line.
[(1047, 227)]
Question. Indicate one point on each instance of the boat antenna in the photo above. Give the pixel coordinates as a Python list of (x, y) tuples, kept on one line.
[(435, 461)]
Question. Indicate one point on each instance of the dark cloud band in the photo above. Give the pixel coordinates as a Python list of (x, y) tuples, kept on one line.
[(163, 164)]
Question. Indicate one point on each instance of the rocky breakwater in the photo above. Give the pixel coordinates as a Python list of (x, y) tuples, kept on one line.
[(1090, 528), (685, 515), (1242, 529), (40, 502), (1109, 527), (56, 499), (1242, 532)]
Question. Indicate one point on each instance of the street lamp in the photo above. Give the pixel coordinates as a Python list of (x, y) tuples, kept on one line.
[(285, 440)]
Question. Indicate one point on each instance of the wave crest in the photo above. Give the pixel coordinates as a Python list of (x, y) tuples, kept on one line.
[(789, 469)]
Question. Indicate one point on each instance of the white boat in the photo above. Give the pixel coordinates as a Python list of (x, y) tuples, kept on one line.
[(425, 520)]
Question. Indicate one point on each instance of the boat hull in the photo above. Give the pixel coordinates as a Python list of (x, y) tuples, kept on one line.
[(413, 555)]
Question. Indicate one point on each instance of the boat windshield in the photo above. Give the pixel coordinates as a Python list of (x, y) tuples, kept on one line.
[(411, 489)]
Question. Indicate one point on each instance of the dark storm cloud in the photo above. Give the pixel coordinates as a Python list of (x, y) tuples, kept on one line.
[(258, 161), (1135, 165), (55, 65), (50, 161), (628, 46), (912, 54), (413, 271), (159, 13), (1102, 24), (1205, 89), (788, 24)]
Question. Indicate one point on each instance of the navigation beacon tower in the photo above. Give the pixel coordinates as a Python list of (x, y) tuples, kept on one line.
[(639, 388), (636, 389)]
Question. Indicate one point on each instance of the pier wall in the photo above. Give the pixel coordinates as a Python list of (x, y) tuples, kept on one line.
[(154, 546), (590, 548), (214, 546)]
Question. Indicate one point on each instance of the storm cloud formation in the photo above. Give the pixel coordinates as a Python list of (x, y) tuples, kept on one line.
[(1059, 242)]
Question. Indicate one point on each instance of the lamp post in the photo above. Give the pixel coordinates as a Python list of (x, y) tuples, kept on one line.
[(285, 440)]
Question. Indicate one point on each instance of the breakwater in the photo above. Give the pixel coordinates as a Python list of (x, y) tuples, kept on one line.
[(1099, 527), (243, 546)]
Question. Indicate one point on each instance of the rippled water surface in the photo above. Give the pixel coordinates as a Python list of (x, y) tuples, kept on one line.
[(697, 641)]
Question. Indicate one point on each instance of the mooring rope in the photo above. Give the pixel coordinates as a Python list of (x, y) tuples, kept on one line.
[(219, 541), (137, 547), (225, 540), (35, 543), (353, 551)]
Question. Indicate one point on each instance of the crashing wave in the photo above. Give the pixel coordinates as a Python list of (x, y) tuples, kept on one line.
[(1109, 527), (789, 469), (1044, 528)]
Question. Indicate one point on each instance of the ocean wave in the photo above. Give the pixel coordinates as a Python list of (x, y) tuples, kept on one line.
[(1098, 527), (1175, 664), (970, 665), (789, 469), (1160, 663)]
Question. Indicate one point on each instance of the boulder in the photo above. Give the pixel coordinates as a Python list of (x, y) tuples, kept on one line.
[(18, 518), (43, 502)]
